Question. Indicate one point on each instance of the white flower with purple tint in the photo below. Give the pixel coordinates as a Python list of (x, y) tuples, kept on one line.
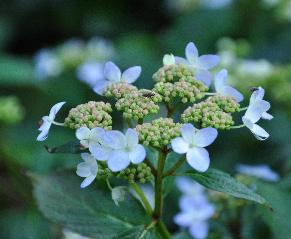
[(260, 171), (91, 73), (168, 59), (221, 86), (113, 75), (256, 110), (87, 169), (192, 144), (195, 209), (48, 120), (125, 149), (89, 138), (200, 64), (47, 64)]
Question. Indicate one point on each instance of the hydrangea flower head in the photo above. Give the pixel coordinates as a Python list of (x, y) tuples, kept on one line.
[(200, 64), (125, 149), (87, 169), (221, 87), (192, 143), (48, 120), (113, 75), (260, 171)]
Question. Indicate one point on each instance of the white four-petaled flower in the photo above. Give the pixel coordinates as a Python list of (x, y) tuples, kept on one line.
[(90, 138), (221, 87), (125, 149), (47, 121), (200, 64), (113, 75), (192, 143), (257, 109), (195, 208), (87, 169)]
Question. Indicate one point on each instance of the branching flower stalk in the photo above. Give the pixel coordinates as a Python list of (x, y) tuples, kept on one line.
[(180, 83)]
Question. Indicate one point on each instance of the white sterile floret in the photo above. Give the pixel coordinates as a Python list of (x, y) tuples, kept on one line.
[(257, 109), (91, 73), (195, 209), (48, 120), (89, 138), (200, 64), (125, 149), (262, 171), (87, 169), (168, 59), (118, 194), (221, 86), (113, 75), (192, 144)]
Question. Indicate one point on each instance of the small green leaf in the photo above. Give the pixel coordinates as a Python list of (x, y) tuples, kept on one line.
[(89, 212), (223, 182), (72, 147)]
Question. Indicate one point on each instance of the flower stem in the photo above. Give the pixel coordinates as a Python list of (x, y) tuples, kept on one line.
[(57, 123), (143, 198), (244, 108), (237, 127), (209, 93), (177, 165), (162, 229)]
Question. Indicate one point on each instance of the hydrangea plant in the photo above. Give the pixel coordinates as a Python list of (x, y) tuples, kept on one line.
[(151, 149)]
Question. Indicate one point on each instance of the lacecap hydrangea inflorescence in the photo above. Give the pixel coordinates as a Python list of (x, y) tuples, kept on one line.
[(192, 120)]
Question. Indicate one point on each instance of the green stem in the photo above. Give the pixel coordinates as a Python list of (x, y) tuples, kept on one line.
[(143, 198), (209, 93), (159, 185), (244, 108), (237, 127), (153, 223), (108, 184), (177, 165), (57, 123), (162, 229)]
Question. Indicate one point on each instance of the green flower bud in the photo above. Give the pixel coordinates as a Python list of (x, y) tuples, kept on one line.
[(227, 104), (119, 90), (136, 173), (92, 114), (173, 73), (159, 132)]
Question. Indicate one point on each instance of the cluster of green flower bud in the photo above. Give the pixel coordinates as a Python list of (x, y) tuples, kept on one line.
[(208, 114), (227, 104), (11, 111), (136, 173), (173, 73), (178, 81), (92, 114), (159, 132), (103, 171), (119, 90), (137, 104)]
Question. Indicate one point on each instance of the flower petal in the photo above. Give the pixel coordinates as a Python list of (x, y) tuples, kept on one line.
[(97, 134), (207, 62), (198, 158), (188, 132), (267, 116), (100, 152), (181, 60), (204, 76), (131, 74), (138, 154), (256, 109), (199, 229), (168, 60), (191, 53), (87, 181), (43, 134), (83, 170), (179, 145), (231, 92), (131, 137), (118, 160), (205, 136), (115, 139), (259, 132), (184, 219), (112, 72), (45, 123), (257, 95), (55, 109), (220, 79), (83, 133), (101, 86)]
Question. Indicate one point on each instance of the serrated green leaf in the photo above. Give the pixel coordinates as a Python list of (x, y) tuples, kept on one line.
[(91, 211), (72, 147), (223, 182)]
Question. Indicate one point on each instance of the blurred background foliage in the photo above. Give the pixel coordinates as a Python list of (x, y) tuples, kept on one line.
[(252, 37)]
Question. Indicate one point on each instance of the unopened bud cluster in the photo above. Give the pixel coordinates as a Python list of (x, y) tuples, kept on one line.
[(208, 114), (159, 132), (227, 104), (119, 90), (137, 104), (178, 81), (103, 172), (92, 114), (136, 173)]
